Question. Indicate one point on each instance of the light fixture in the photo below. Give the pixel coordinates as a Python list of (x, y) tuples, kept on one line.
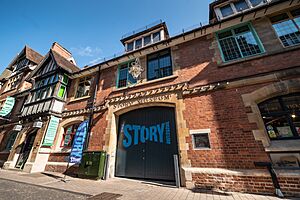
[(293, 116), (38, 123)]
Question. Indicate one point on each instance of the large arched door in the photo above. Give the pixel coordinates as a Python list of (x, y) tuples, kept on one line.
[(146, 144)]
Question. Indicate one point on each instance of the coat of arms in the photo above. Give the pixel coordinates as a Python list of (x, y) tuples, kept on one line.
[(136, 69)]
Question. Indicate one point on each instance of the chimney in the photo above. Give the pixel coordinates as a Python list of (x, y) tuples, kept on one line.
[(63, 52)]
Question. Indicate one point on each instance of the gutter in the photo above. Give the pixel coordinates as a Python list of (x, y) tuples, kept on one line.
[(91, 116)]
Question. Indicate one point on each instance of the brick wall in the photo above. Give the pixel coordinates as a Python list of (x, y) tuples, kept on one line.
[(290, 186), (232, 141), (97, 140), (58, 157)]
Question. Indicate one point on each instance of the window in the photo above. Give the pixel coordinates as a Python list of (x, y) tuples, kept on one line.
[(130, 46), (21, 63), (13, 82), (159, 65), (124, 77), (238, 6), (156, 37), (61, 91), (241, 5), (11, 140), (281, 116), (226, 10), (200, 139), (138, 43), (287, 27), (65, 79), (256, 2), (238, 43), (68, 136), (147, 40), (83, 87), (141, 42)]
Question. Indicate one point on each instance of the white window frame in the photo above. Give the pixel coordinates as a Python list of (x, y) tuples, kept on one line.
[(201, 132), (161, 37), (235, 12)]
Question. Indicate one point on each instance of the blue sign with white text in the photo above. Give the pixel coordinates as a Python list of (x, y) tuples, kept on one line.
[(77, 148), (135, 134)]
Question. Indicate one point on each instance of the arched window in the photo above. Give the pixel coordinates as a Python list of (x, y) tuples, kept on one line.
[(281, 116), (68, 137)]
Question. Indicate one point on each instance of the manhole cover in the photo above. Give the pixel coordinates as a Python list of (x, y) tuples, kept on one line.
[(105, 195)]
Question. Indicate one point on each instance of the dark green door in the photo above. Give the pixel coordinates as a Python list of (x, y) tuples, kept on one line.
[(146, 144)]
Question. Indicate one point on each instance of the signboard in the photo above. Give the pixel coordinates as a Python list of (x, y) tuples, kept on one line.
[(8, 106), (51, 131), (80, 135), (136, 134)]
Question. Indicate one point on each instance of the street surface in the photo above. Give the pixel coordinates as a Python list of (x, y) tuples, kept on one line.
[(10, 190)]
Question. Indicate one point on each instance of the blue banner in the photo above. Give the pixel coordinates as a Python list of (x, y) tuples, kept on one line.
[(76, 151)]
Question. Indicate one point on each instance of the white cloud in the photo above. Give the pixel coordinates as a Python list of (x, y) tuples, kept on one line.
[(87, 51)]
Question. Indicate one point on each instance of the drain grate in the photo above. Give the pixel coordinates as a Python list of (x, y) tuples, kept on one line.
[(106, 196)]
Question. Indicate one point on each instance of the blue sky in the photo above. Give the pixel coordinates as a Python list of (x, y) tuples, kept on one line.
[(90, 29)]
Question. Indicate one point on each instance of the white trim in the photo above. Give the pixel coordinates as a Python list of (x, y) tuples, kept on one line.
[(200, 132), (235, 11)]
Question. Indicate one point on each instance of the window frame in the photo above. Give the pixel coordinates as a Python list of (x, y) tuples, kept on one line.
[(118, 74), (64, 93), (151, 35), (73, 133), (235, 11), (86, 78), (286, 113), (159, 56), (290, 17), (201, 132), (255, 35)]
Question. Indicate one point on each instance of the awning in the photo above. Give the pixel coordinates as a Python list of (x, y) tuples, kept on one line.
[(7, 106)]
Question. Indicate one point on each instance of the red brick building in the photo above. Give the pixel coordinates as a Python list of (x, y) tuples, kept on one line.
[(221, 96)]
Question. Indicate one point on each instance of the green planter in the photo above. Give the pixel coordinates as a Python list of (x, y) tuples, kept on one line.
[(92, 165)]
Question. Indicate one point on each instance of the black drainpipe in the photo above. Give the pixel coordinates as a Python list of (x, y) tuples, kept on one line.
[(94, 97)]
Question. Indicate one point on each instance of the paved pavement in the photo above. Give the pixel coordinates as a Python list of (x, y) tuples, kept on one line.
[(115, 188), (19, 191)]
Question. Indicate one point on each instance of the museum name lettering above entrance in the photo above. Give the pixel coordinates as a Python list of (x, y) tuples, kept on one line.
[(137, 134), (141, 101)]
